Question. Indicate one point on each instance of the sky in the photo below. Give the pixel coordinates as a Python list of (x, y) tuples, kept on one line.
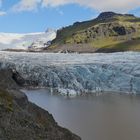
[(24, 16)]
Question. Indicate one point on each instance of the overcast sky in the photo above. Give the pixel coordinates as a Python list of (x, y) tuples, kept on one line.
[(36, 15)]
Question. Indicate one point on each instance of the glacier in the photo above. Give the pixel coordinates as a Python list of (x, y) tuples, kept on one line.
[(76, 74), (24, 41)]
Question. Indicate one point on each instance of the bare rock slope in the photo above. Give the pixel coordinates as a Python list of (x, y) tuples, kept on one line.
[(20, 119)]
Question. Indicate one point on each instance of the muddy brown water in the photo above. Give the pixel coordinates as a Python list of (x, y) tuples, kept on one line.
[(104, 117)]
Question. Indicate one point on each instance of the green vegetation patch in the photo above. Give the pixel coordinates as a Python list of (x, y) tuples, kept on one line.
[(6, 101), (114, 32), (131, 45)]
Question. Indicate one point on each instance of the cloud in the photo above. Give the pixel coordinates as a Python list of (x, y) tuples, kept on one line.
[(100, 5), (0, 3), (60, 12), (55, 3), (26, 5), (2, 13)]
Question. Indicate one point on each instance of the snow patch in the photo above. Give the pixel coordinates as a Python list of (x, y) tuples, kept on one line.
[(23, 41)]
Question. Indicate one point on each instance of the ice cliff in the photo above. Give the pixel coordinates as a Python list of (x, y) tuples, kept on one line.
[(77, 73)]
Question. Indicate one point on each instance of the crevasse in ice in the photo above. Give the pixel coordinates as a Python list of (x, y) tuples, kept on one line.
[(77, 73)]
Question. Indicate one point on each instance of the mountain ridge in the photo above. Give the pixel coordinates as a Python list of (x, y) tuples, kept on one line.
[(106, 15), (105, 32)]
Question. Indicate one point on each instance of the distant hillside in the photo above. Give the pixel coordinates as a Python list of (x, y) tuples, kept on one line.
[(109, 32)]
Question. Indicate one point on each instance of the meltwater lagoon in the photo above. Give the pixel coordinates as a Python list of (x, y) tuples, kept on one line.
[(104, 117)]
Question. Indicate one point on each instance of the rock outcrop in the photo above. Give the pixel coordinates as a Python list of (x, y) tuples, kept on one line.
[(20, 119), (108, 15)]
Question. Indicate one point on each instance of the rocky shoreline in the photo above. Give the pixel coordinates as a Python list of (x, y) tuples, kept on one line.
[(20, 119)]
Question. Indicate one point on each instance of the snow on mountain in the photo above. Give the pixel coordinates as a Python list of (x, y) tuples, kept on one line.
[(25, 41)]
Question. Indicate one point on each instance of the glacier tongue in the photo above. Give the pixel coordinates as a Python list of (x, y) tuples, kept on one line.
[(77, 73)]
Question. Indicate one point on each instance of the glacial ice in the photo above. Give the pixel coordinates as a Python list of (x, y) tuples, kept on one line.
[(24, 41), (73, 74)]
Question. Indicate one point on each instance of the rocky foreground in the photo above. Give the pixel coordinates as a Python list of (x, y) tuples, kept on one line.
[(22, 120)]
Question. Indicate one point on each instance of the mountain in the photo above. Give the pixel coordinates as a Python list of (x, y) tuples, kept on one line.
[(109, 32), (32, 41)]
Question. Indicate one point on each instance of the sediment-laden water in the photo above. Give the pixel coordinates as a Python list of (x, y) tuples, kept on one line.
[(104, 117)]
